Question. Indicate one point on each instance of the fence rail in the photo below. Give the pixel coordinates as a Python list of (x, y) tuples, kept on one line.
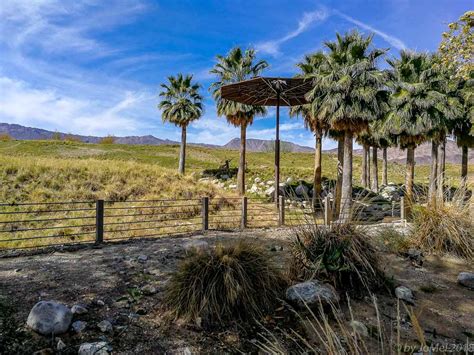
[(37, 225)]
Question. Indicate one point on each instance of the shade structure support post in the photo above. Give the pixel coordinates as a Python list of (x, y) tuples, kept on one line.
[(277, 152)]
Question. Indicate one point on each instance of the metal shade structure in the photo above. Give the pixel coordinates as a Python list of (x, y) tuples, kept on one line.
[(266, 91)]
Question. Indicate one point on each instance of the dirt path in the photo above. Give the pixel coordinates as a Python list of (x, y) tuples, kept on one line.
[(104, 279)]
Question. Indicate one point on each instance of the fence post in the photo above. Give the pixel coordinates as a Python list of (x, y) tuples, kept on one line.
[(402, 208), (243, 221), (281, 211), (205, 213), (99, 221), (327, 211)]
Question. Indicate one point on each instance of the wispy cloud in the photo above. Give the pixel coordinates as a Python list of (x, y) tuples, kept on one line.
[(392, 40), (272, 47)]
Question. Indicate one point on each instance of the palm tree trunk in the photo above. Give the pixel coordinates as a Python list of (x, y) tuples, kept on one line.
[(433, 173), (384, 167), (346, 191), (441, 170), (317, 168), (241, 172), (375, 172), (409, 180), (363, 178), (464, 165), (340, 165), (182, 151), (368, 167)]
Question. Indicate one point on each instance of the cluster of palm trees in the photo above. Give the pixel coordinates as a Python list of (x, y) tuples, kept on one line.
[(412, 101)]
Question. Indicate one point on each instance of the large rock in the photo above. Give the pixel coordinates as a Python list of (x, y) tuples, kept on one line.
[(466, 279), (301, 190), (405, 294), (48, 317), (97, 348), (311, 293)]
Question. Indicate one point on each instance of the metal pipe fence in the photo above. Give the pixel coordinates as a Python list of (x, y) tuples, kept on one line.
[(37, 225)]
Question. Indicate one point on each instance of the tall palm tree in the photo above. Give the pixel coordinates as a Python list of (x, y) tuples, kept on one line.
[(414, 108), (238, 65), (181, 104), (317, 126), (348, 91)]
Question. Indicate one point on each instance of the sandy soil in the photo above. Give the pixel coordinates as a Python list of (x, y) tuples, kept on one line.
[(111, 274)]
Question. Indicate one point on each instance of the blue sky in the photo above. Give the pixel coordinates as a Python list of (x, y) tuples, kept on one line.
[(94, 66)]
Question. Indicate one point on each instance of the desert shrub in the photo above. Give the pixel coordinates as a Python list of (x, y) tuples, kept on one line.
[(340, 254), (393, 240), (232, 281), (5, 137), (107, 140), (444, 229)]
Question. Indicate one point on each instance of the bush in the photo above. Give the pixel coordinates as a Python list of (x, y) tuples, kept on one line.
[(107, 140), (234, 281), (393, 240), (5, 137), (444, 229), (340, 254)]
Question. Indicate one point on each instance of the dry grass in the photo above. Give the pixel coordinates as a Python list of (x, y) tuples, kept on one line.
[(392, 240), (235, 281), (445, 228), (340, 254)]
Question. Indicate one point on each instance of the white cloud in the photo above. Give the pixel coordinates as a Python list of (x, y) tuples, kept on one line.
[(272, 47), (392, 40), (20, 103)]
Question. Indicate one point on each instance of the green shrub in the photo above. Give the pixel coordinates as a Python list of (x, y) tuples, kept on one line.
[(107, 140), (340, 254), (232, 281), (444, 229), (5, 137), (393, 240)]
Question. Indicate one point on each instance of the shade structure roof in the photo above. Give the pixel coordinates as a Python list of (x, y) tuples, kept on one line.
[(264, 91)]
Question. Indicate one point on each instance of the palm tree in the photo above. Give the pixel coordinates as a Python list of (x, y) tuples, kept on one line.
[(181, 105), (235, 67), (415, 108), (317, 126), (348, 91)]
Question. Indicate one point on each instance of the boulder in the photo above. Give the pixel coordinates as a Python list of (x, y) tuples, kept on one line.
[(301, 190), (405, 294), (225, 177), (466, 279), (49, 317), (142, 258), (97, 348), (196, 245), (311, 293), (149, 290)]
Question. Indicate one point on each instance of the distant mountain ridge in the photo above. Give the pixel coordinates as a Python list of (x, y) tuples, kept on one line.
[(422, 153)]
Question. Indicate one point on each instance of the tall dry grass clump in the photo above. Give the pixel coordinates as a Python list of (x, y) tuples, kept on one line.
[(236, 281), (340, 254), (445, 228)]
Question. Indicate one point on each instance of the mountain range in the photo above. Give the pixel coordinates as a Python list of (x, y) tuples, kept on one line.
[(422, 153)]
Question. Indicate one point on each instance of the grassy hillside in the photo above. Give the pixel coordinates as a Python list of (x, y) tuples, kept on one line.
[(56, 170)]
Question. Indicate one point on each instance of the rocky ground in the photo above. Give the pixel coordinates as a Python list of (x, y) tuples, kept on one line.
[(121, 287)]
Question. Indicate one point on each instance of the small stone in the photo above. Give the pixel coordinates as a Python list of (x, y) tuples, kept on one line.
[(232, 186), (48, 317), (97, 348), (142, 258), (100, 303), (18, 270), (148, 290), (276, 248), (60, 345), (78, 326), (105, 326), (311, 293), (466, 279), (257, 180), (405, 294), (78, 309), (359, 328), (196, 245), (46, 351)]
